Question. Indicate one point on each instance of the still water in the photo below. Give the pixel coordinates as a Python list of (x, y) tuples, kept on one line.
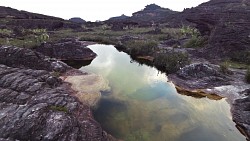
[(142, 105)]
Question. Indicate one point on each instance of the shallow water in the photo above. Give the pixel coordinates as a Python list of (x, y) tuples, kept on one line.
[(143, 106)]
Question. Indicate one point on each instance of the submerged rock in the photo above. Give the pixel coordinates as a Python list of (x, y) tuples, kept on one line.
[(88, 87)]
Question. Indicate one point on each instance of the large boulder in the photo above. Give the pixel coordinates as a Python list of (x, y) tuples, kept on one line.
[(27, 58), (67, 49)]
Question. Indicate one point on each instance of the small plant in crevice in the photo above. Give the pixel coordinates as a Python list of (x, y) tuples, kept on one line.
[(59, 108), (55, 74), (248, 75), (224, 67)]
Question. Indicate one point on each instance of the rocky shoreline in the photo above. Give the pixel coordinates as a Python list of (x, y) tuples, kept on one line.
[(206, 80), (37, 105)]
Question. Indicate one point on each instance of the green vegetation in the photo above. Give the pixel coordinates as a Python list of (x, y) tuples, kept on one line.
[(171, 62), (248, 75), (237, 65), (5, 32), (242, 57), (59, 108), (26, 38), (224, 67), (141, 47), (55, 74), (196, 42), (98, 38), (196, 39), (189, 31)]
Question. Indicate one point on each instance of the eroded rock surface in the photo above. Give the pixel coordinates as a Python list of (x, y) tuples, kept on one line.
[(67, 49), (199, 76), (205, 80), (35, 105), (227, 23), (26, 58), (241, 112)]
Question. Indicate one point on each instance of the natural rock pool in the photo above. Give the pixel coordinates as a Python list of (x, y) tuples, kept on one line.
[(143, 106)]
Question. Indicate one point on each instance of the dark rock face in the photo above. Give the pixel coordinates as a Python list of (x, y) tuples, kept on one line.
[(15, 18), (199, 76), (34, 106), (67, 50), (226, 22), (241, 113), (26, 58), (152, 12), (77, 20), (122, 17)]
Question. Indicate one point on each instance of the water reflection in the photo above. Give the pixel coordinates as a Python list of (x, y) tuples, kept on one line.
[(144, 106)]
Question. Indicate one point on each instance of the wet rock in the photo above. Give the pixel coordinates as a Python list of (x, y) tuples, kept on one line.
[(42, 109)]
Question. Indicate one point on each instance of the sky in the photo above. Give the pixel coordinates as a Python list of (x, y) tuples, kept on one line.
[(92, 10)]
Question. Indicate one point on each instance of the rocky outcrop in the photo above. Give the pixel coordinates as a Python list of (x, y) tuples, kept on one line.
[(199, 76), (63, 50), (34, 106), (241, 113), (26, 58), (37, 105), (77, 20), (15, 18), (151, 13), (207, 80), (226, 22)]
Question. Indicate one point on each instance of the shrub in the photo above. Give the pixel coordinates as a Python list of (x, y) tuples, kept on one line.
[(98, 39), (196, 42), (189, 31), (141, 47), (241, 56), (6, 32), (171, 62), (224, 67), (248, 75)]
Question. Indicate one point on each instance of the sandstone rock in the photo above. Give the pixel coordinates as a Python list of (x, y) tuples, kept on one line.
[(35, 108), (226, 22), (69, 49), (241, 113), (200, 76), (26, 58)]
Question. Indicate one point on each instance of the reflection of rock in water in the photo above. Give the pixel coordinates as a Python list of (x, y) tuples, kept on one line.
[(77, 64), (88, 87), (108, 109), (201, 134)]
